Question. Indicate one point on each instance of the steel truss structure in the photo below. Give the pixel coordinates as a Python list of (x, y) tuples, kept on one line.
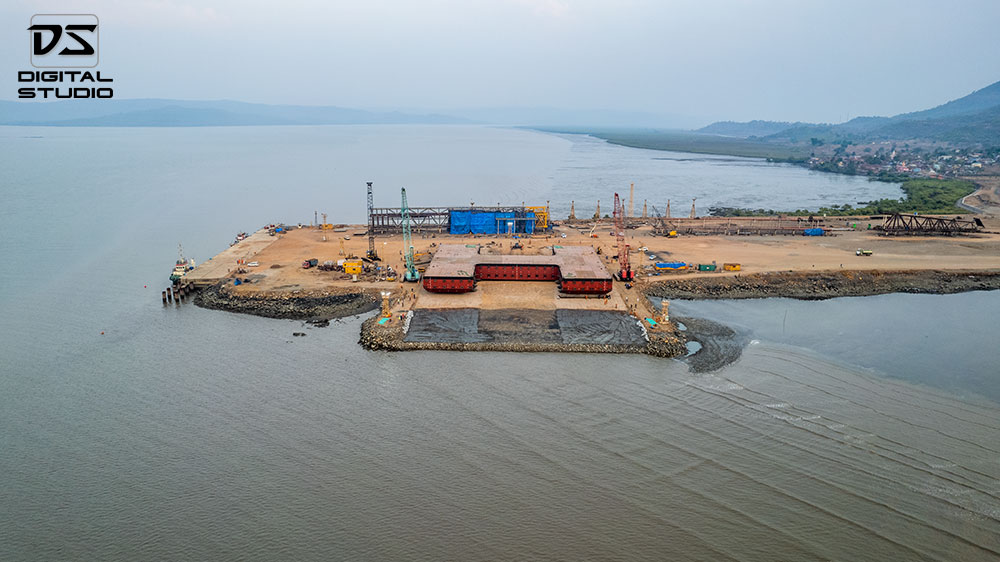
[(916, 224), (388, 220)]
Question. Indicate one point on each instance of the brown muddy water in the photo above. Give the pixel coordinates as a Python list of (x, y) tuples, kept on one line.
[(314, 449), (133, 431)]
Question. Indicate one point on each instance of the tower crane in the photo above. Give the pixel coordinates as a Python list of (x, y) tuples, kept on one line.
[(411, 273)]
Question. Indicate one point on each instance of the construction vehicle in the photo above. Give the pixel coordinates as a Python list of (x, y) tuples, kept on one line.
[(662, 225), (861, 252), (411, 274), (310, 263), (386, 309), (624, 269)]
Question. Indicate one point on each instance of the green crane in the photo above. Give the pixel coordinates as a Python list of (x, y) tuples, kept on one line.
[(411, 273)]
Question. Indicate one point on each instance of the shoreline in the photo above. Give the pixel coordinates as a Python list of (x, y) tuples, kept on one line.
[(822, 285), (667, 344), (720, 344), (293, 306)]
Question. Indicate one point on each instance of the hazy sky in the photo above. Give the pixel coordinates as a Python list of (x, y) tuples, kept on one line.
[(810, 60)]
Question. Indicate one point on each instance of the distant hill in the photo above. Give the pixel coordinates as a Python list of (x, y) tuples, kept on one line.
[(971, 120), (976, 102), (755, 128), (182, 113)]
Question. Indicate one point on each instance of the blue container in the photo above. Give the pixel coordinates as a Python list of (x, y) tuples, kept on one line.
[(812, 232), (671, 265)]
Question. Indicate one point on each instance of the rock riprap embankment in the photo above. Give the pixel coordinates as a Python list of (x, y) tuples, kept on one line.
[(291, 306), (824, 284)]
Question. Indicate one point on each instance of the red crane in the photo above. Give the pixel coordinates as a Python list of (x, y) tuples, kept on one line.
[(625, 271)]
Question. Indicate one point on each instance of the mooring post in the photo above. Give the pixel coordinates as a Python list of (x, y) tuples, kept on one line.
[(164, 295)]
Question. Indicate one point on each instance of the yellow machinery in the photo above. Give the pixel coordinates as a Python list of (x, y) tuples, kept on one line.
[(731, 266), (386, 310), (541, 216), (353, 267)]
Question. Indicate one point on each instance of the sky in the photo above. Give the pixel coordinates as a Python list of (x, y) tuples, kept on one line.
[(689, 62)]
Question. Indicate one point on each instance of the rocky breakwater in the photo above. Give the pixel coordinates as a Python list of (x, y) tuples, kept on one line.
[(296, 305), (818, 285), (390, 337)]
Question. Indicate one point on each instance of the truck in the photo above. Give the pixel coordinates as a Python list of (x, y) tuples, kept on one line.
[(310, 263)]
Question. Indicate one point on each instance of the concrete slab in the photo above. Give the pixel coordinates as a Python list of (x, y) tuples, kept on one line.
[(217, 268)]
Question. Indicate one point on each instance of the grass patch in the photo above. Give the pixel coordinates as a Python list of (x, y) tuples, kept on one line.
[(924, 196), (683, 141)]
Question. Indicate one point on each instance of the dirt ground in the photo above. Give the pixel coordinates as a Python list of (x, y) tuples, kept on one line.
[(280, 268), (987, 197)]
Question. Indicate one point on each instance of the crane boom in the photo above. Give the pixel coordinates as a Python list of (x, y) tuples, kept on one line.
[(411, 273), (625, 270), (372, 254)]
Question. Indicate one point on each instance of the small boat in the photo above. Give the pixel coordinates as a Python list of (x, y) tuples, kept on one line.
[(181, 266)]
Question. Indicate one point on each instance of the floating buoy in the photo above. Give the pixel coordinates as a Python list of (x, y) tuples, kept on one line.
[(102, 333)]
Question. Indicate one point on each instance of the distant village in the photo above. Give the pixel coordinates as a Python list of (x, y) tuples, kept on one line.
[(888, 158)]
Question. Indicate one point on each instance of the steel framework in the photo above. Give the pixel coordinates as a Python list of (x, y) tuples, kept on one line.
[(916, 224), (388, 220)]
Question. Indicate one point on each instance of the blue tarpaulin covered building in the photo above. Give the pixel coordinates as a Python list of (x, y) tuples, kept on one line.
[(490, 222), (506, 223), (484, 223), (459, 221)]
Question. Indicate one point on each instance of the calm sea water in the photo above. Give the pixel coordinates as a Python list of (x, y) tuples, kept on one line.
[(187, 434)]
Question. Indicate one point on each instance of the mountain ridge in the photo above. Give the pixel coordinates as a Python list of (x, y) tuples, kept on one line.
[(971, 119), (155, 112)]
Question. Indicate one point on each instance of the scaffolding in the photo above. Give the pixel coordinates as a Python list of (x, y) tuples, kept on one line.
[(541, 216)]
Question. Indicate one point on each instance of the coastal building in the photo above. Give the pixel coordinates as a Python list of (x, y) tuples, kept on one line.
[(456, 268)]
